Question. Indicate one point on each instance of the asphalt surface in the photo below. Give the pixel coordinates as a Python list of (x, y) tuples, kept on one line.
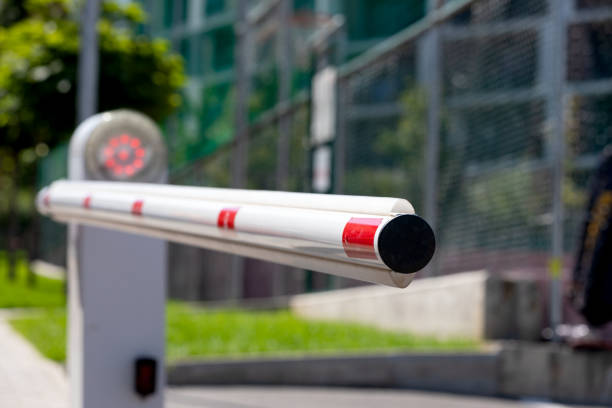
[(301, 397)]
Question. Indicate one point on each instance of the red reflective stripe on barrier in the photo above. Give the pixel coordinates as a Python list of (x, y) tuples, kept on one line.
[(226, 217), (358, 237), (87, 202), (137, 207)]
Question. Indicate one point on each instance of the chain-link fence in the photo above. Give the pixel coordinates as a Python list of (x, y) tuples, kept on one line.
[(496, 159), (489, 115)]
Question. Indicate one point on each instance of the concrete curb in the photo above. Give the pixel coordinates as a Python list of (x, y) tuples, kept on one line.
[(472, 373), (515, 370)]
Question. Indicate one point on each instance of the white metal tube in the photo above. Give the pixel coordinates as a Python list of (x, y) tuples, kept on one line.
[(330, 234), (329, 202)]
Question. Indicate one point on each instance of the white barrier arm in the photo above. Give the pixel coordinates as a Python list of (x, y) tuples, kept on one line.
[(378, 240)]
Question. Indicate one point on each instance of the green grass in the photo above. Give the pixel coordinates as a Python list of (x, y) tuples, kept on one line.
[(46, 330), (196, 332), (17, 293)]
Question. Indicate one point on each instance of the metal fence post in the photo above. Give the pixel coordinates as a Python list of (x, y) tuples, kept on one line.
[(87, 93), (556, 119), (241, 138), (240, 148), (429, 53), (284, 60), (340, 141)]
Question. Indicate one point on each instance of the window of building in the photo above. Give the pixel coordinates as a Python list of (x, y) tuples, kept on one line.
[(184, 11), (214, 7), (168, 13), (368, 19), (223, 48), (299, 5), (185, 50)]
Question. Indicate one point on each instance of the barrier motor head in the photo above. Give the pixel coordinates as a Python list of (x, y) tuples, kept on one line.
[(125, 146)]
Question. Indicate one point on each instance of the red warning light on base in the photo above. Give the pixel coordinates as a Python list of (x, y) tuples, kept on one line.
[(145, 375)]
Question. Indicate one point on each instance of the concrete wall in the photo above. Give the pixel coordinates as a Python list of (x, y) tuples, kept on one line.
[(557, 373), (473, 373), (469, 305)]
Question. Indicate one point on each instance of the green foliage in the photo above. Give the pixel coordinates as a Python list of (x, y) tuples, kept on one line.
[(216, 115), (264, 92), (261, 161), (195, 332), (38, 68), (395, 164), (298, 177), (498, 197), (405, 147), (39, 46), (17, 293)]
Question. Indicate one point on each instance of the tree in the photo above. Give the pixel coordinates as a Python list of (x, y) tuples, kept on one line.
[(38, 65), (39, 45)]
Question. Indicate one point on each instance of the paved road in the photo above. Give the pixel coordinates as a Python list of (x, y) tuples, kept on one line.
[(301, 397)]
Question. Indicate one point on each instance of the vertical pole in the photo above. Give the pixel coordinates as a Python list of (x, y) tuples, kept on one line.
[(340, 38), (432, 149), (87, 91), (284, 61), (284, 57), (429, 57), (558, 21), (339, 154), (240, 147), (240, 150), (342, 101)]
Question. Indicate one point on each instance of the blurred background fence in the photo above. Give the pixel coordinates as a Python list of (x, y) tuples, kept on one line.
[(503, 108), (489, 115)]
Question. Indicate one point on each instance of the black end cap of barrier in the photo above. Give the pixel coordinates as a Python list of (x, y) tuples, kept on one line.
[(406, 244)]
